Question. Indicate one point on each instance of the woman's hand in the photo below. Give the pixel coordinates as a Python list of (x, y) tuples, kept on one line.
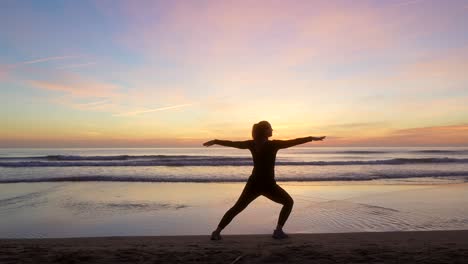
[(209, 143), (318, 138)]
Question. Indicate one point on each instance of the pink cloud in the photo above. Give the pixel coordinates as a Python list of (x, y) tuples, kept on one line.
[(79, 86), (88, 103), (3, 72), (406, 3), (232, 32), (47, 59), (9, 69), (89, 94), (450, 66), (422, 73), (453, 135), (191, 31), (132, 113), (35, 61), (78, 65)]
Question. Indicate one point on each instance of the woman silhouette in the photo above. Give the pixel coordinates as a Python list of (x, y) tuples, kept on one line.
[(262, 181)]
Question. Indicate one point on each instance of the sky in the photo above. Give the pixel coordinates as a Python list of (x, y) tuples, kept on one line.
[(110, 73)]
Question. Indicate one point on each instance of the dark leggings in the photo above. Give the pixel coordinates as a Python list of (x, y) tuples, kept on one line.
[(273, 192)]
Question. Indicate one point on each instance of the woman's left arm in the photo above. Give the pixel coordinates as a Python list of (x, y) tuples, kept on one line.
[(293, 142)]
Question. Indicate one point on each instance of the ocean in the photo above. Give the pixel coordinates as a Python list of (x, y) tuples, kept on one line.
[(229, 165), (185, 191)]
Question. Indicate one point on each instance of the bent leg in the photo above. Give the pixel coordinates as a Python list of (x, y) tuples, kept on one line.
[(247, 196), (279, 195)]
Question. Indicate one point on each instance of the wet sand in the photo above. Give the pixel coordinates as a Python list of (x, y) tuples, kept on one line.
[(368, 247)]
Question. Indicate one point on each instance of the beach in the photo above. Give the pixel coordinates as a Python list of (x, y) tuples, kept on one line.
[(103, 209), (368, 247), (341, 223), (160, 206)]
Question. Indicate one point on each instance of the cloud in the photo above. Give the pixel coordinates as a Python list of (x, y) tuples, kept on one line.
[(6, 70), (152, 110), (406, 3), (76, 65), (94, 103), (234, 31), (271, 31), (40, 60), (442, 131), (47, 59), (82, 92), (3, 72), (78, 87), (355, 125), (261, 44), (449, 66), (416, 78), (451, 135)]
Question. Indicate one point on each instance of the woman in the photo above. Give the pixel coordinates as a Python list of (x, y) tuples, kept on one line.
[(262, 181)]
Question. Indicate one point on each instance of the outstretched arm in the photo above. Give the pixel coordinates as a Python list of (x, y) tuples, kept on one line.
[(228, 143), (293, 142)]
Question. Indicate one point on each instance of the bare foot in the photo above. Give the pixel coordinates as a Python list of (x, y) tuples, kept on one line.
[(279, 234), (216, 236)]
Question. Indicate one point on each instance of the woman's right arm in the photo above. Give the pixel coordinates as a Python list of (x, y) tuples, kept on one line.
[(228, 143)]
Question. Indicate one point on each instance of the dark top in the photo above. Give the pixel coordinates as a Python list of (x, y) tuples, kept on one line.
[(263, 172)]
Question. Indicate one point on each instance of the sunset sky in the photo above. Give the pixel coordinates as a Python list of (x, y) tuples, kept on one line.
[(111, 73)]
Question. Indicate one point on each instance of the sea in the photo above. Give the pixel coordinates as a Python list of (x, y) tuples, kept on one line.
[(76, 192), (229, 165)]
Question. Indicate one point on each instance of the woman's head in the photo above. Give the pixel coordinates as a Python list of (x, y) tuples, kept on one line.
[(261, 130)]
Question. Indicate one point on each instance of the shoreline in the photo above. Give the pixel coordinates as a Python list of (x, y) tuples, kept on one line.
[(139, 209), (383, 247)]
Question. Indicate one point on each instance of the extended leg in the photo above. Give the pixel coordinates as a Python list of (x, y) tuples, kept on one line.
[(247, 196), (279, 195)]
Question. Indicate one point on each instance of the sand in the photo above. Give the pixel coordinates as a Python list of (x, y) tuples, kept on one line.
[(369, 247)]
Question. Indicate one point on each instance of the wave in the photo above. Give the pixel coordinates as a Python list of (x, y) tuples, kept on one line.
[(179, 160), (425, 151), (383, 151), (462, 175), (437, 151), (360, 152), (103, 158)]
